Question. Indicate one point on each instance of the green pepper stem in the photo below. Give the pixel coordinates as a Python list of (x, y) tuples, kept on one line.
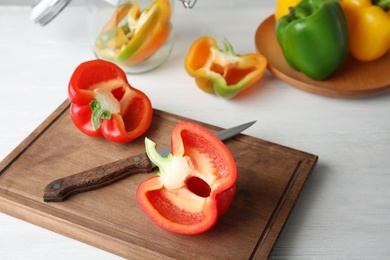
[(155, 157), (383, 4), (300, 12), (228, 47), (98, 113)]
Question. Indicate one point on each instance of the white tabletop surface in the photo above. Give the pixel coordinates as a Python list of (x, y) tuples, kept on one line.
[(344, 209)]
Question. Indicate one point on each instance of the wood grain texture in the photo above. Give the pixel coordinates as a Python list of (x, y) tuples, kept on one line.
[(270, 180), (354, 79)]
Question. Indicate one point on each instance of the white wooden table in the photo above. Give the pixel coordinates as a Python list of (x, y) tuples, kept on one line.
[(344, 210)]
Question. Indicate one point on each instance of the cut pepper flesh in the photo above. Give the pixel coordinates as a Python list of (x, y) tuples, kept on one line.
[(103, 103), (195, 184), (142, 34), (222, 71)]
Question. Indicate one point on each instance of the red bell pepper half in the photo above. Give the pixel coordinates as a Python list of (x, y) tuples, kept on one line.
[(196, 183), (103, 103)]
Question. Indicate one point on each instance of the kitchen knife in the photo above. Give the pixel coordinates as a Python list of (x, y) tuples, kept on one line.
[(61, 189)]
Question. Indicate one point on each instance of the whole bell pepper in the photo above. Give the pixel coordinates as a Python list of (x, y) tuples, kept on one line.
[(103, 103), (283, 6), (143, 33), (222, 71), (195, 184), (369, 28), (314, 37)]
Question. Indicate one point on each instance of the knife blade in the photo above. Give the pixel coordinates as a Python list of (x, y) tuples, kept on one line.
[(98, 177)]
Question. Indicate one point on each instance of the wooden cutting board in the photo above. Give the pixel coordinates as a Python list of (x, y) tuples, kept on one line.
[(270, 180)]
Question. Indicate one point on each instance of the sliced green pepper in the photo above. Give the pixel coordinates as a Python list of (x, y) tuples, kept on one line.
[(314, 37)]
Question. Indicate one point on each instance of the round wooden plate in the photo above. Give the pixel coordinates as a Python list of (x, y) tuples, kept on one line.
[(354, 79)]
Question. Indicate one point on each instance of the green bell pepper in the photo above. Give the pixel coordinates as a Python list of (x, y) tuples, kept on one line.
[(314, 37)]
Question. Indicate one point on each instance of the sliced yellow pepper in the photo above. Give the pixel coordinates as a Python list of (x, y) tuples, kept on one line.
[(154, 39), (369, 28), (283, 6), (139, 37), (151, 31)]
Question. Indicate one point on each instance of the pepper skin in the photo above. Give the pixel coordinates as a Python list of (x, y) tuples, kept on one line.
[(369, 28), (140, 37), (314, 37), (196, 183), (283, 6), (103, 103), (223, 72)]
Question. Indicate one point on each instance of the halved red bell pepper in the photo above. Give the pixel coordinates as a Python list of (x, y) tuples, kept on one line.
[(196, 183), (103, 103)]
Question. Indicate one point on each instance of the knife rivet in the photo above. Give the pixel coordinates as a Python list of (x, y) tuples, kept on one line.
[(56, 186), (136, 159), (100, 171)]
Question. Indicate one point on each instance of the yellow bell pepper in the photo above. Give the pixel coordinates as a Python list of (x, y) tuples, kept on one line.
[(369, 28), (222, 71), (142, 34), (282, 7)]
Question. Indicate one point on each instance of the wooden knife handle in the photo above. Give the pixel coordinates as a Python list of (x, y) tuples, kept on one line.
[(61, 189)]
